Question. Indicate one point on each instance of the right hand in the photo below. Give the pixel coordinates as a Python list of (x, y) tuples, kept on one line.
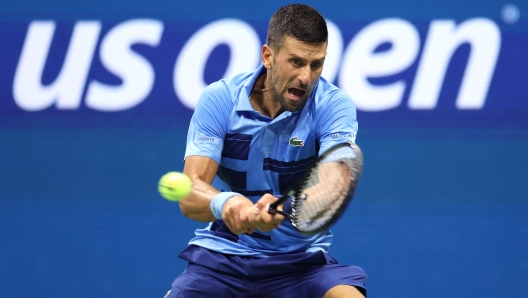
[(242, 216), (235, 215), (261, 219)]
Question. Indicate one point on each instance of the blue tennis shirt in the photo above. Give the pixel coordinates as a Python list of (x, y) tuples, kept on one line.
[(258, 155)]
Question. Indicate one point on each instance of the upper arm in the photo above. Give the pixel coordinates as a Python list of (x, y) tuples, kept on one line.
[(209, 123), (205, 141)]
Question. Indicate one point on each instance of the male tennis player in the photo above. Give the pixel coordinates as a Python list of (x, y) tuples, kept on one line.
[(249, 138)]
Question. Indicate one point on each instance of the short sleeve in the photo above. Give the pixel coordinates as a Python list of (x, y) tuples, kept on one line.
[(210, 122), (336, 121)]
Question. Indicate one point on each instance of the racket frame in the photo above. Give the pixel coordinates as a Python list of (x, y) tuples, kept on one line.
[(290, 193)]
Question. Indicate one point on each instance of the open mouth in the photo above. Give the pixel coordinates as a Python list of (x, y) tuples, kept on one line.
[(296, 93)]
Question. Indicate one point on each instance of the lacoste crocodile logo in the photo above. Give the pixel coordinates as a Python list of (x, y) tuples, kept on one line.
[(294, 142)]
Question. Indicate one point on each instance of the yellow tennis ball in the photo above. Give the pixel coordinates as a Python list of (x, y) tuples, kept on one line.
[(174, 186)]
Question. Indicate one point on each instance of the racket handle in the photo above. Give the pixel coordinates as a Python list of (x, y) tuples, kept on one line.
[(272, 210), (280, 201)]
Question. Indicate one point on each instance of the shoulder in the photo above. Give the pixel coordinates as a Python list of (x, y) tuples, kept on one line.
[(225, 92)]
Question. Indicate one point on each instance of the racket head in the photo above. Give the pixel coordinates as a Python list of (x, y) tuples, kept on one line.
[(324, 192)]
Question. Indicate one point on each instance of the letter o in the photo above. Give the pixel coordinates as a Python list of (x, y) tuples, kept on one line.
[(240, 37)]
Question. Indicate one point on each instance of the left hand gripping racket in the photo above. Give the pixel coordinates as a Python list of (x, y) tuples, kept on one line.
[(324, 191)]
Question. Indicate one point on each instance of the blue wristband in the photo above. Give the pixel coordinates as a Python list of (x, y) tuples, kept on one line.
[(218, 201)]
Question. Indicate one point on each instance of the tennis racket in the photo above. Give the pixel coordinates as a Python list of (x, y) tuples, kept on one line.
[(324, 191)]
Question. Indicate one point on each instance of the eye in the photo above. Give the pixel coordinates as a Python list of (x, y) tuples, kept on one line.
[(317, 65), (296, 62)]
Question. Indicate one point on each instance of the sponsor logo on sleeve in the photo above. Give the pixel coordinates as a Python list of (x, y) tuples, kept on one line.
[(205, 139), (343, 135)]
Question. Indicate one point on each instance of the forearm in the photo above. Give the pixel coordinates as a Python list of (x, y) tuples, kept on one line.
[(333, 182), (196, 205)]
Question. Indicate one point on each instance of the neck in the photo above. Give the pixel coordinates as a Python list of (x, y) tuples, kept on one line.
[(262, 97)]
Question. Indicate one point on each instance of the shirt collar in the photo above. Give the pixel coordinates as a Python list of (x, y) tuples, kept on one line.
[(243, 97)]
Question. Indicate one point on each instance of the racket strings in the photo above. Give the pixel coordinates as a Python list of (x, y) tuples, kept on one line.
[(319, 202)]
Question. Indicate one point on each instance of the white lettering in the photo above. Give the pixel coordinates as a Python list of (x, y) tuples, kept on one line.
[(243, 43), (67, 89), (366, 67), (442, 41), (135, 71), (361, 62)]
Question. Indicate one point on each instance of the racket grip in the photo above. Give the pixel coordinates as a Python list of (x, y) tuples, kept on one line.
[(272, 210), (280, 201)]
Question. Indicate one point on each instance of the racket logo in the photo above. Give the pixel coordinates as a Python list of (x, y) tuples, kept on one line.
[(295, 142)]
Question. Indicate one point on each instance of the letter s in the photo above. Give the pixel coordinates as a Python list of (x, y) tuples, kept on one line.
[(135, 71)]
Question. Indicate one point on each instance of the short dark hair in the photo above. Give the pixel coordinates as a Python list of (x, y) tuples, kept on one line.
[(299, 21)]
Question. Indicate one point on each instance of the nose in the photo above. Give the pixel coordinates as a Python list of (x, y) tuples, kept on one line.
[(304, 75)]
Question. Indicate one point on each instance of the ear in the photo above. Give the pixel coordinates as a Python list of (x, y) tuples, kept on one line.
[(267, 56)]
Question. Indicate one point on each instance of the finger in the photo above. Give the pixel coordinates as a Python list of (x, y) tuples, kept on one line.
[(265, 201), (267, 217), (245, 220), (277, 219), (229, 225), (232, 220), (266, 226), (253, 211), (257, 220), (241, 221), (254, 219), (265, 221), (270, 218), (243, 227)]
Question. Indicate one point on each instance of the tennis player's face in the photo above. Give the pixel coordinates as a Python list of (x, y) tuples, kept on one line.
[(295, 70)]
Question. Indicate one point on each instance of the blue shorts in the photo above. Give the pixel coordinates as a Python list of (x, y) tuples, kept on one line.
[(306, 274)]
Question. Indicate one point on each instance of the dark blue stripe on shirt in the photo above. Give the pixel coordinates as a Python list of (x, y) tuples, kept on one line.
[(289, 171), (236, 146), (220, 229), (287, 167), (253, 193), (237, 181)]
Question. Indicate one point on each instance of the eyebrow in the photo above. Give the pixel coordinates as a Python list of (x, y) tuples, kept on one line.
[(294, 56)]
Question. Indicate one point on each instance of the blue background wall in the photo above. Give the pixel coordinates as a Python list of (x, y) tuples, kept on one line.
[(441, 209)]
